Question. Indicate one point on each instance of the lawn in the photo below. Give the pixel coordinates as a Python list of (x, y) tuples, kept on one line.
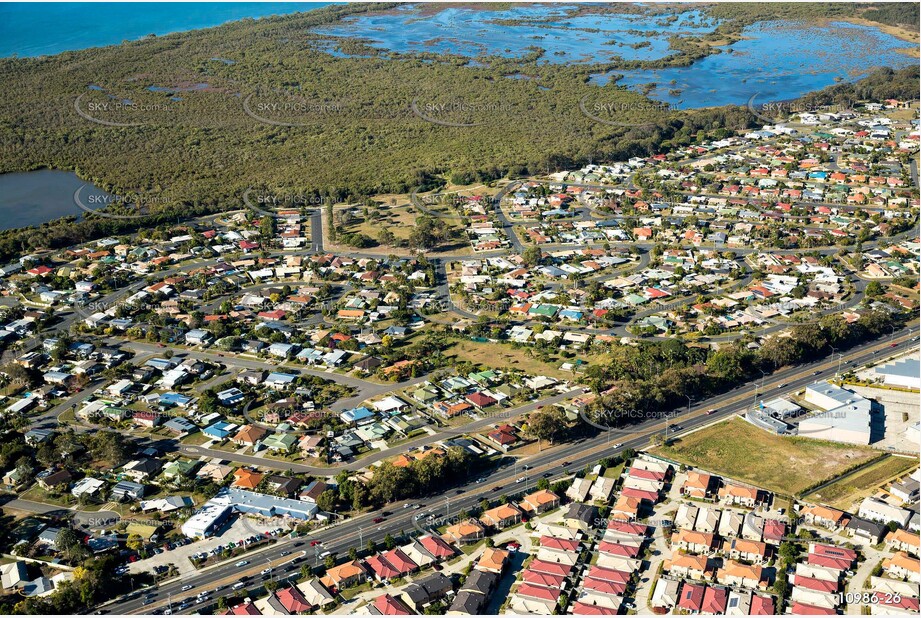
[(851, 488), (739, 450)]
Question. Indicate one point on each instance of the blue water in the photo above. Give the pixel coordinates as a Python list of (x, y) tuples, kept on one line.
[(474, 32), (777, 61), (35, 29)]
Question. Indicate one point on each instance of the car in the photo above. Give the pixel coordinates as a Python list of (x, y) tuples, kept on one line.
[(147, 601), (519, 479), (265, 571), (565, 463), (618, 444), (782, 385), (497, 488), (711, 411), (407, 505), (201, 600), (547, 475), (285, 553), (525, 467), (481, 479), (242, 563), (187, 587), (416, 507), (893, 345), (815, 373), (314, 543), (377, 520), (325, 554)]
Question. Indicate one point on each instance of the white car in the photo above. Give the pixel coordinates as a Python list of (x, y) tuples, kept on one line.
[(187, 587)]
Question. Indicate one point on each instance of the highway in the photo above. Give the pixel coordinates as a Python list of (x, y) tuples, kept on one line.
[(357, 531)]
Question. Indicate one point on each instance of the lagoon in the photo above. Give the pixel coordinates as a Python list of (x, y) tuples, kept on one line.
[(33, 198)]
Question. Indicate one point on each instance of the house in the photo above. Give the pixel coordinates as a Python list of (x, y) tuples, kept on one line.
[(689, 566), (289, 601), (697, 485), (247, 479), (693, 541), (501, 516), (466, 531), (901, 540), (824, 517), (493, 560), (126, 490), (249, 435), (738, 495), (13, 576), (691, 598), (540, 501), (344, 575), (580, 516), (877, 510), (744, 549), (714, 602), (141, 469), (387, 605), (741, 575), (424, 592), (903, 566), (55, 479)]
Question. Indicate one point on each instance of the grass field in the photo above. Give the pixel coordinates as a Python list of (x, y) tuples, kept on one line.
[(852, 488), (739, 450), (506, 357)]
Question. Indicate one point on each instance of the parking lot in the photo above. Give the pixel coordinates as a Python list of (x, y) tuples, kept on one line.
[(240, 528)]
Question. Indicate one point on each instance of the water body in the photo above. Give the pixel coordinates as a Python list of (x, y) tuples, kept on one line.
[(36, 29), (476, 32), (777, 61), (33, 198)]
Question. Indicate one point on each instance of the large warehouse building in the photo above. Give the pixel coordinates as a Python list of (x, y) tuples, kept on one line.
[(905, 373), (846, 416)]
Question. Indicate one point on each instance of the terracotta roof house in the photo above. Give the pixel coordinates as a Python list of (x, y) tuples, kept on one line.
[(249, 434), (825, 517), (540, 501), (751, 551), (697, 542), (501, 516), (246, 479), (345, 574), (688, 565), (698, 485), (467, 531), (493, 560), (739, 495), (737, 574)]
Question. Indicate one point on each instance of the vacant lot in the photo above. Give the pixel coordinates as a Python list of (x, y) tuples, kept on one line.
[(852, 488), (506, 357), (739, 450)]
